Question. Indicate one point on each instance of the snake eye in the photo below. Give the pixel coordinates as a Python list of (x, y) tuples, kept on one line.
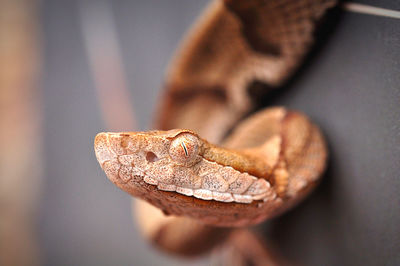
[(184, 148)]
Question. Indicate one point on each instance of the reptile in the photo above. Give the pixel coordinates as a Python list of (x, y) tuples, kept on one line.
[(215, 163)]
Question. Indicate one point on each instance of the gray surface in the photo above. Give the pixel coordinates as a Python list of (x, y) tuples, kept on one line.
[(351, 88), (85, 219)]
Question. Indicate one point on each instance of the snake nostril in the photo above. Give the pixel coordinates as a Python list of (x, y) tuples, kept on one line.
[(151, 157)]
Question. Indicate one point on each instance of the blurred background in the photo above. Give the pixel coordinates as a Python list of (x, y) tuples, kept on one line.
[(68, 69)]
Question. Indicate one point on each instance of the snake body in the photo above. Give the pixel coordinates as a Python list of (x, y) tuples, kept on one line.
[(206, 167)]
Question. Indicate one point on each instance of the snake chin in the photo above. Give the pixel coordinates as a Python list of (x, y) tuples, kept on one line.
[(205, 194), (127, 158)]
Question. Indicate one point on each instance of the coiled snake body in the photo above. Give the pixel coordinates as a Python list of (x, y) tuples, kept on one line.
[(266, 164)]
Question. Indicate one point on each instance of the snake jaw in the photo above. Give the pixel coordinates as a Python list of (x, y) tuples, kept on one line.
[(141, 164), (159, 159)]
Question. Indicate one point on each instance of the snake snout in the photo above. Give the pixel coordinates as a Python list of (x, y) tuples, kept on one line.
[(106, 156), (102, 149)]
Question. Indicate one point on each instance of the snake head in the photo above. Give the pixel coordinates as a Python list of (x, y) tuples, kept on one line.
[(174, 168), (179, 161), (183, 174), (154, 156)]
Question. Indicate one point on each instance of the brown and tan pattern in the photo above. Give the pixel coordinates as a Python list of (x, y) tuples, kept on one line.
[(198, 174), (21, 159)]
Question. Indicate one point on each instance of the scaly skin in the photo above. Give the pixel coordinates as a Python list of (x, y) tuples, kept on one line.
[(270, 161), (183, 174)]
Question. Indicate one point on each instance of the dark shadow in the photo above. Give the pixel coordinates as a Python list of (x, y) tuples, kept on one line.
[(264, 95), (281, 230)]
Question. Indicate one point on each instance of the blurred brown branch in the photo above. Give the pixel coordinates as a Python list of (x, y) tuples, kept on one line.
[(105, 60), (20, 134)]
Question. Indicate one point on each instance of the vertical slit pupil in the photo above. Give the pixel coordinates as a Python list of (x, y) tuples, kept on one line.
[(184, 148)]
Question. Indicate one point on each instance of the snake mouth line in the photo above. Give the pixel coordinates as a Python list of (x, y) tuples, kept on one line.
[(119, 168), (118, 174), (205, 194)]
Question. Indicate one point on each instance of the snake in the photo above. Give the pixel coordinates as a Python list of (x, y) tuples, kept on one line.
[(217, 161)]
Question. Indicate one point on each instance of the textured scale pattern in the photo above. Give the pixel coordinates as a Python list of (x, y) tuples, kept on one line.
[(227, 196), (217, 61), (266, 164), (202, 179)]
